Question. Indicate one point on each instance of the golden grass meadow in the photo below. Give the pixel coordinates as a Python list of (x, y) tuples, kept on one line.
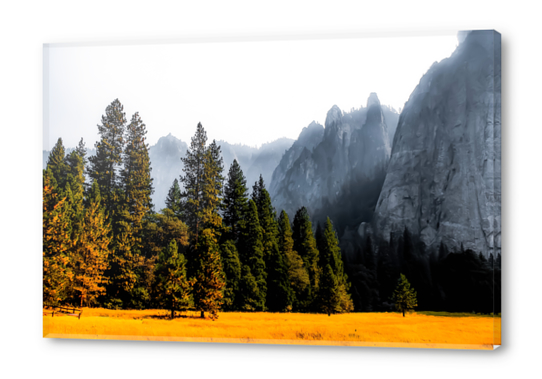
[(432, 330)]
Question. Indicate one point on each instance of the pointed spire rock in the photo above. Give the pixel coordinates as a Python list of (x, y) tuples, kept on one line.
[(373, 100)]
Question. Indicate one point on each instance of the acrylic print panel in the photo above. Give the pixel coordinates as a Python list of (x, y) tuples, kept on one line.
[(332, 191)]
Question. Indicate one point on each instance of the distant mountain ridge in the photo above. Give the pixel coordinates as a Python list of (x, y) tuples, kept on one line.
[(337, 170), (166, 164)]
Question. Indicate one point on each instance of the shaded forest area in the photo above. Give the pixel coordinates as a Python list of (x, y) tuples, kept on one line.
[(453, 281)]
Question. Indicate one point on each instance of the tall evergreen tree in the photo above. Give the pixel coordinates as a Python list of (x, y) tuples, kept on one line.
[(174, 201), (251, 254), (194, 167), (235, 199), (257, 195), (106, 164), (305, 245), (57, 275), (231, 266), (280, 296), (57, 164), (209, 278), (135, 203), (173, 289), (297, 274), (330, 292), (125, 259), (249, 293), (90, 255), (75, 180), (334, 296), (212, 188), (136, 172), (81, 150), (203, 182)]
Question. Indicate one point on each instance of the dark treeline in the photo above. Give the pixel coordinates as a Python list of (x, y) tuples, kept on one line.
[(214, 246), (454, 281)]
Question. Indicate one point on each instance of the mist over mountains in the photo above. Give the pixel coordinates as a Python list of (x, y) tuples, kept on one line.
[(166, 164), (337, 171)]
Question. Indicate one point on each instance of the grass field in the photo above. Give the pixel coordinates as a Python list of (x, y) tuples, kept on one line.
[(433, 330)]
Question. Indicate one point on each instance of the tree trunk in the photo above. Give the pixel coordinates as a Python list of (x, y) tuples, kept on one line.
[(172, 313), (202, 315), (403, 313)]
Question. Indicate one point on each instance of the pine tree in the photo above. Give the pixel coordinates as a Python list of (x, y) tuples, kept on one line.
[(57, 165), (330, 293), (231, 266), (136, 173), (105, 165), (203, 182), (258, 196), (133, 205), (235, 199), (159, 229), (81, 150), (209, 278), (297, 274), (56, 243), (174, 200), (404, 296), (90, 255), (280, 296), (305, 245), (336, 290), (251, 254), (194, 167), (173, 289), (212, 189), (249, 293), (75, 190), (124, 260)]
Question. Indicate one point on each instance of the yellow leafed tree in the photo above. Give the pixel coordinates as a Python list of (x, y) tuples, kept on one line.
[(56, 242), (90, 258)]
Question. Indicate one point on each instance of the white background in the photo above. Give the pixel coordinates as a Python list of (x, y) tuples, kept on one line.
[(25, 26), (249, 92)]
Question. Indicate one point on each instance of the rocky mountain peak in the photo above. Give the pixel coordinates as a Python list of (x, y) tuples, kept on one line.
[(333, 117), (373, 100), (443, 178), (374, 111)]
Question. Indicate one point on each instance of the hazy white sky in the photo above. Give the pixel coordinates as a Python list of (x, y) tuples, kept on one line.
[(241, 92)]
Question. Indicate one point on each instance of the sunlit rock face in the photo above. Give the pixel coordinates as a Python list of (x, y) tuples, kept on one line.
[(327, 167), (443, 179)]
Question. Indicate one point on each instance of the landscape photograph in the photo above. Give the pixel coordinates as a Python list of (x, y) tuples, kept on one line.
[(301, 191)]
